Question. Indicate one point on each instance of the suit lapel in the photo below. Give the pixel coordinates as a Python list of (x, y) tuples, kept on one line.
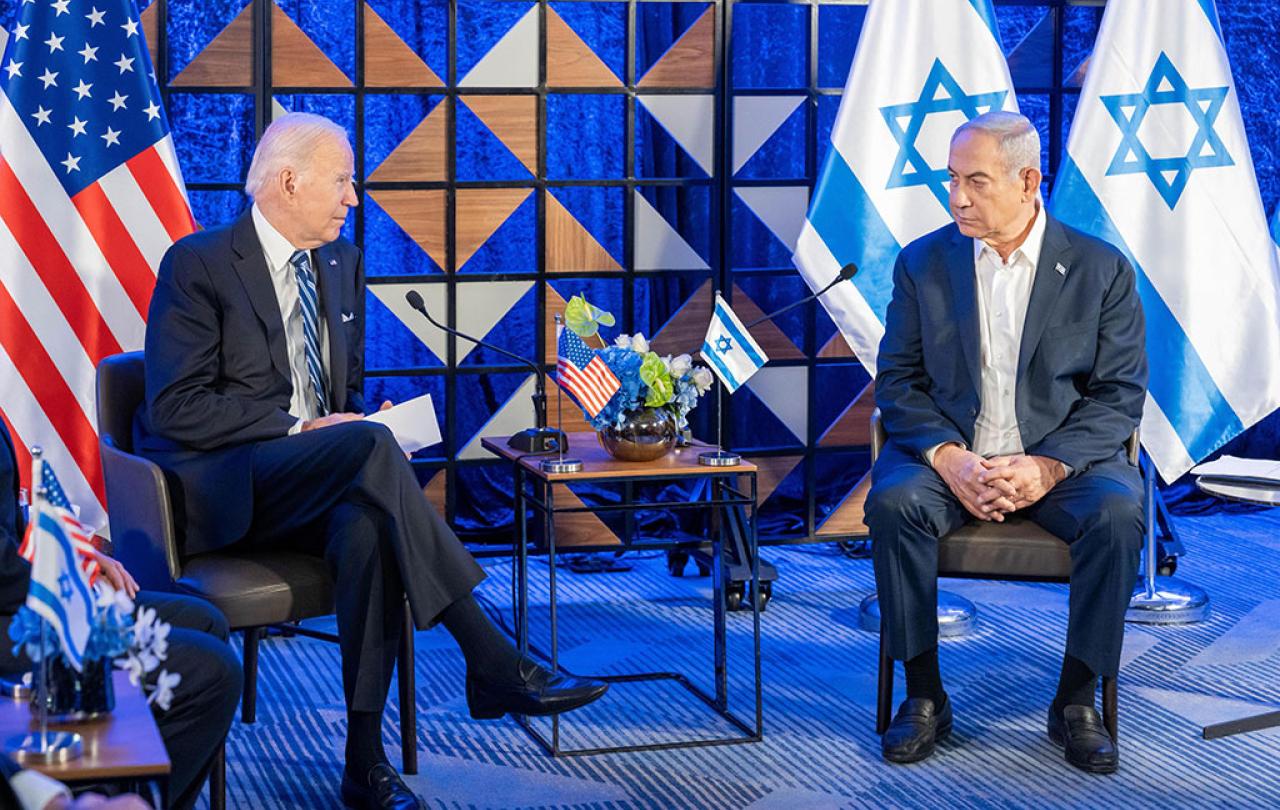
[(1055, 252), (329, 276), (964, 293), (251, 267)]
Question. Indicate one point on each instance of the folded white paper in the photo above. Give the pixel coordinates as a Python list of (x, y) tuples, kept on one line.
[(413, 423), (1248, 470)]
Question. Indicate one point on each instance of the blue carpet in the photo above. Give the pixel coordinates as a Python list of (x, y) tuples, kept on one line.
[(820, 750)]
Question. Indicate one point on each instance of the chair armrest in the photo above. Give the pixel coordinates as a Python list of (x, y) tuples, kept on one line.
[(878, 436), (142, 535)]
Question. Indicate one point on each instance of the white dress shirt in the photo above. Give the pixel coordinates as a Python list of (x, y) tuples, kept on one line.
[(278, 251), (1003, 291)]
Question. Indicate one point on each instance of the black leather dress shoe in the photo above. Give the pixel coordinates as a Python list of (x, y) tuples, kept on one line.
[(1088, 744), (915, 730), (384, 791), (536, 691)]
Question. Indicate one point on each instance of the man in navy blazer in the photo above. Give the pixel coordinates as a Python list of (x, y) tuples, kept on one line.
[(1011, 372), (254, 408)]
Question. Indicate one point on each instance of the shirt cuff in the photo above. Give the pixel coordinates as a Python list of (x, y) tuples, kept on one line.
[(929, 453), (297, 428), (35, 790)]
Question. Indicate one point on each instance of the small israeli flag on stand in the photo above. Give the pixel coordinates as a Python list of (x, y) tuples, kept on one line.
[(729, 349), (1158, 165), (922, 68)]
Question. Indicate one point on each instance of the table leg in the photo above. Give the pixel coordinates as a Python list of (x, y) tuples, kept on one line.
[(555, 627), (717, 599)]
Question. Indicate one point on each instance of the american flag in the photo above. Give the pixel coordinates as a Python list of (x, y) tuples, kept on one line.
[(61, 589), (52, 501), (90, 198), (582, 372)]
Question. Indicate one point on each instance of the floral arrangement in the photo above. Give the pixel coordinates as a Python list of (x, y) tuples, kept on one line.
[(137, 644), (648, 380)]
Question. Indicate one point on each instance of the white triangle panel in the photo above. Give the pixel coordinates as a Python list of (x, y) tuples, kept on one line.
[(690, 120), (784, 390), (433, 295), (780, 208), (755, 119), (657, 245), (512, 61), (515, 415), (482, 304)]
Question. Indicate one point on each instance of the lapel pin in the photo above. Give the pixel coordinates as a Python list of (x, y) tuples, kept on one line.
[(1062, 271), (334, 263)]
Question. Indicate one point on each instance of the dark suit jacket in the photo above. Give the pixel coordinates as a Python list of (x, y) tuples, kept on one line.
[(15, 572), (1082, 364), (217, 374)]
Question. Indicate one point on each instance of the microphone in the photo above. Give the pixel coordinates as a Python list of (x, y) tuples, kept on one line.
[(537, 439), (846, 273)]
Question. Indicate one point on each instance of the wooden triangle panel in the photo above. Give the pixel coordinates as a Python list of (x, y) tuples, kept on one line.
[(514, 120), (227, 61), (556, 306), (295, 59), (420, 213), (580, 528), (847, 519), (151, 30), (772, 470), (480, 212), (690, 61), (571, 247), (836, 347), (570, 61), (388, 61), (771, 338), (684, 332), (435, 490), (854, 425), (420, 157)]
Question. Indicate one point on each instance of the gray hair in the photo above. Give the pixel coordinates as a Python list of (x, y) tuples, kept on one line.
[(289, 142), (1015, 135)]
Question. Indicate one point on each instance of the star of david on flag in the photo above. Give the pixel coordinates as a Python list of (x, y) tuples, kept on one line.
[(1178, 196), (729, 349), (1166, 86), (920, 71)]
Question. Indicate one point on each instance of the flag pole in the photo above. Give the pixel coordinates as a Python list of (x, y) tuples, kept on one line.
[(560, 464), (61, 746), (719, 458)]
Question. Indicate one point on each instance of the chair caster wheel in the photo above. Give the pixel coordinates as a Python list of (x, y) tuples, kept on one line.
[(733, 595), (676, 561)]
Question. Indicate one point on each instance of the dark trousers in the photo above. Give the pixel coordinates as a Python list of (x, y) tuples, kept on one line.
[(204, 702), (1098, 512), (348, 493)]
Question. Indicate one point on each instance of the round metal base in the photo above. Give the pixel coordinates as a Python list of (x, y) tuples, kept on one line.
[(14, 689), (60, 746), (561, 465), (957, 616), (719, 458), (1173, 601)]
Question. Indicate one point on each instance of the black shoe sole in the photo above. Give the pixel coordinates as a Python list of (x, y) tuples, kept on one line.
[(941, 733), (1057, 739)]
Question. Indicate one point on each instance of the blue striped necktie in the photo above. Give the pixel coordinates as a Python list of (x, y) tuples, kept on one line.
[(301, 262)]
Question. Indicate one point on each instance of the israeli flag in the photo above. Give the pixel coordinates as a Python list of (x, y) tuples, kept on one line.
[(1159, 166), (729, 349), (59, 590), (922, 68)]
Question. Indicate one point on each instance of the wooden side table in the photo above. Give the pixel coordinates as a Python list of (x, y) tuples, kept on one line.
[(535, 490), (123, 746)]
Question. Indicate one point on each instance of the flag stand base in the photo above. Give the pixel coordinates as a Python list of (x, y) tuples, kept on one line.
[(17, 690), (59, 746), (719, 458), (561, 465)]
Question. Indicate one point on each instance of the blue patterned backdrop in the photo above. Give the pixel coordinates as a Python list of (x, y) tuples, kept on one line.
[(601, 151)]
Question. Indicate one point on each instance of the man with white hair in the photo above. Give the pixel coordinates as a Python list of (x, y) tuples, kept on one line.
[(254, 408), (1012, 370)]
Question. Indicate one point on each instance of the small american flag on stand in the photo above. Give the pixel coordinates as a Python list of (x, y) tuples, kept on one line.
[(52, 503), (582, 373), (90, 198)]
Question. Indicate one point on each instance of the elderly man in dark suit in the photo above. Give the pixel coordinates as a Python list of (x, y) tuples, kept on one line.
[(1011, 372), (254, 407)]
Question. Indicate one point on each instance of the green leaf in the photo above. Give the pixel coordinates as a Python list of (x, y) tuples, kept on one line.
[(584, 319), (654, 374)]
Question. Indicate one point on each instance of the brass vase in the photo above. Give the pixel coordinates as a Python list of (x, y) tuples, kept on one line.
[(644, 435)]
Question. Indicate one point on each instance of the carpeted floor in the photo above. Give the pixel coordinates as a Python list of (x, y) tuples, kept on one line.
[(819, 749)]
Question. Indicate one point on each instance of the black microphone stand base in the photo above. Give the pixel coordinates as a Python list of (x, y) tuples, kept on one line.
[(539, 440), (719, 458)]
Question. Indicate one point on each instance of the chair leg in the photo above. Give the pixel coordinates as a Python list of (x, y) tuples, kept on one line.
[(1111, 707), (884, 688), (408, 681), (218, 780), (249, 698)]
